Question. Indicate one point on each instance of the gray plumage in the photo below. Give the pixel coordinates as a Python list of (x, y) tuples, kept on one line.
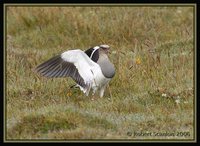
[(107, 67)]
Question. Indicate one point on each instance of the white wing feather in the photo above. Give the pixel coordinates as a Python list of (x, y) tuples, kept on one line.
[(87, 68)]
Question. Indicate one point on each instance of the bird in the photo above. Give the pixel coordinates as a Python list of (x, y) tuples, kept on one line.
[(90, 69)]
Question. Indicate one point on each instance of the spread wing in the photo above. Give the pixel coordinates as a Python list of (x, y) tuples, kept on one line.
[(73, 63)]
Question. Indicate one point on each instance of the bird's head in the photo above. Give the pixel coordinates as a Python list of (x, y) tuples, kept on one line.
[(104, 48)]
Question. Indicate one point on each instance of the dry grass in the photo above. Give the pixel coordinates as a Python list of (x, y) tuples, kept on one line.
[(152, 91)]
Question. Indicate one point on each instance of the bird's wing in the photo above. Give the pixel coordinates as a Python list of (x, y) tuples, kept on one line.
[(72, 63)]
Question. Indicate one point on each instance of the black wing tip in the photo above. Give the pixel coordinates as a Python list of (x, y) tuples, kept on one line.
[(40, 68), (35, 70)]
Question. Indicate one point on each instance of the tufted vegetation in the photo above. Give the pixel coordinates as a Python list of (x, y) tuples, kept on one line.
[(152, 48)]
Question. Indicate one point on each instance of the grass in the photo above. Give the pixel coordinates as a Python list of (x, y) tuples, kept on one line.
[(152, 91)]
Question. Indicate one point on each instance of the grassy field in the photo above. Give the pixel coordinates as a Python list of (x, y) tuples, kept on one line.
[(151, 96)]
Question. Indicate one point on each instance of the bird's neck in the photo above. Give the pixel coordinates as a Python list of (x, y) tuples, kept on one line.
[(103, 56)]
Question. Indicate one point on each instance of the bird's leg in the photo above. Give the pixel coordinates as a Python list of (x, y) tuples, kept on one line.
[(101, 92), (93, 94), (110, 91)]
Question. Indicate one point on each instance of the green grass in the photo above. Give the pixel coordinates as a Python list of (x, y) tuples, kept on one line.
[(152, 91)]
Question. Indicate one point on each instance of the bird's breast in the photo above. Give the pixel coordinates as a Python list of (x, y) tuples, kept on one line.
[(107, 68), (99, 78)]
